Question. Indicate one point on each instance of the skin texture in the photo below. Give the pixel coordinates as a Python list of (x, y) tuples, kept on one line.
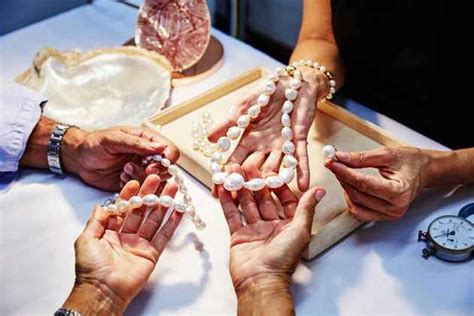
[(105, 159), (266, 247), (115, 256)]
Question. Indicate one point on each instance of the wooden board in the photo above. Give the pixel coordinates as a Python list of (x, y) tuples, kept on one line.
[(333, 125)]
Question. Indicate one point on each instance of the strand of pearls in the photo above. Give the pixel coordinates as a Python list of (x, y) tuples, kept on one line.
[(235, 181)]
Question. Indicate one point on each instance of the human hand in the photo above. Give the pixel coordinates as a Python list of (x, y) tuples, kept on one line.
[(116, 256), (404, 174), (265, 249), (264, 133), (108, 158)]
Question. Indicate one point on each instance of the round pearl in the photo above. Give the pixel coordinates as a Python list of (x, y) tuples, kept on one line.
[(173, 170), (287, 107), (274, 182), (233, 182), (157, 158), (243, 121), (290, 161), (279, 71), (165, 162), (234, 132), (190, 211), (270, 87), (263, 99), (256, 184), (295, 83), (179, 207), (111, 208), (122, 205), (291, 94), (329, 152), (217, 157), (219, 177), (287, 133), (135, 201), (150, 200), (224, 143), (288, 148), (166, 201), (287, 174), (285, 120), (254, 111), (332, 83), (332, 90), (322, 69), (215, 167)]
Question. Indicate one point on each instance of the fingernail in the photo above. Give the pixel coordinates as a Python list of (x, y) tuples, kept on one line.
[(320, 194), (342, 155), (128, 168)]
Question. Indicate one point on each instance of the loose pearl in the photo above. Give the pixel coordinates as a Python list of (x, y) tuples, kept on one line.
[(135, 201), (287, 133), (234, 132), (287, 174), (150, 200), (224, 143), (233, 182), (122, 205), (157, 158), (179, 207), (215, 167), (218, 178), (166, 201), (270, 87), (289, 161), (288, 148), (285, 120), (173, 170), (322, 69), (332, 83), (165, 162), (329, 152), (287, 106), (279, 71), (217, 157), (291, 94), (295, 83), (256, 184), (274, 182), (254, 111), (263, 99), (243, 121)]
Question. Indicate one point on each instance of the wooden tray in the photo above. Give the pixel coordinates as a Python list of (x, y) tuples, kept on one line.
[(333, 125)]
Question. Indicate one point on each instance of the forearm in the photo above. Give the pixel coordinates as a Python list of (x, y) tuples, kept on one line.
[(450, 167)]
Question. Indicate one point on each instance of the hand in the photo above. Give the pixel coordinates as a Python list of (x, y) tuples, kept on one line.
[(264, 133), (108, 158), (265, 249), (404, 174), (115, 257)]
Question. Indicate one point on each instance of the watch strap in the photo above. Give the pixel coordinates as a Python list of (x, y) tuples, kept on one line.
[(54, 148), (66, 312)]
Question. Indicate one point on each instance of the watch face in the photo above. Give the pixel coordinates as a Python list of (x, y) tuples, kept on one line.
[(452, 232)]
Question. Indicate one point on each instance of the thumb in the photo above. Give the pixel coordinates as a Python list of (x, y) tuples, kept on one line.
[(373, 158), (305, 211), (96, 224)]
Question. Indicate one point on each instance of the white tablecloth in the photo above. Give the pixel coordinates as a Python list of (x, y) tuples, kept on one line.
[(377, 270)]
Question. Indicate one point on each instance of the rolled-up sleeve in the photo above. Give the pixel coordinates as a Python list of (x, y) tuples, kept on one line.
[(20, 111)]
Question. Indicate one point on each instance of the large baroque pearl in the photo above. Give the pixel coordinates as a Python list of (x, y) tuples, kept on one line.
[(254, 111), (224, 143), (274, 182), (166, 201), (291, 94), (295, 83), (287, 174), (234, 132), (219, 177), (215, 167), (243, 121), (135, 201), (263, 99), (233, 182), (270, 87), (150, 200), (256, 184), (122, 205), (290, 161), (329, 152), (288, 147), (287, 133), (285, 120), (287, 106)]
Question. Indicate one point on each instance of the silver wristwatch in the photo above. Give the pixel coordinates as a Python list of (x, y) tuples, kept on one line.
[(66, 312), (54, 148)]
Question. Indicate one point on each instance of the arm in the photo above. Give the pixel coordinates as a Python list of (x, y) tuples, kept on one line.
[(450, 167)]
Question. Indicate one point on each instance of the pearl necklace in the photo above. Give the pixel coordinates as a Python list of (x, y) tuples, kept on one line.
[(151, 200), (235, 181)]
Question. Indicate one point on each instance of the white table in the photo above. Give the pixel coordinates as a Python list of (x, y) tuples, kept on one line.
[(377, 270)]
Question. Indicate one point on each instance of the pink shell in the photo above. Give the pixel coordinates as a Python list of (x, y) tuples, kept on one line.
[(179, 30)]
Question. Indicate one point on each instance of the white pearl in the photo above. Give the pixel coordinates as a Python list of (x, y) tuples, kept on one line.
[(295, 83), (287, 133), (263, 99), (215, 167), (256, 184), (288, 147), (280, 71), (135, 201), (254, 111), (329, 152), (195, 218), (233, 182), (182, 188), (270, 87), (234, 132), (274, 182), (196, 144), (300, 62), (217, 157), (173, 170), (157, 158), (285, 120), (287, 174), (187, 199), (165, 162), (287, 106), (166, 200), (243, 121), (322, 69), (190, 211), (332, 83), (290, 161), (218, 178), (179, 207), (111, 208), (316, 65), (332, 90), (273, 77), (329, 96), (122, 205), (201, 225), (308, 63), (224, 143), (150, 200), (291, 94)]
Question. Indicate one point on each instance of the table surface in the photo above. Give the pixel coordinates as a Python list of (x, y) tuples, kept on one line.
[(376, 270)]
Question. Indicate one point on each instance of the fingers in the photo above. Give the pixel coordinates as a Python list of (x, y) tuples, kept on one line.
[(124, 143), (221, 129), (130, 189), (231, 213), (302, 170), (239, 155), (374, 158), (272, 164), (287, 199), (167, 231), (304, 213), (248, 205), (134, 171), (363, 214), (96, 224), (135, 218), (153, 222)]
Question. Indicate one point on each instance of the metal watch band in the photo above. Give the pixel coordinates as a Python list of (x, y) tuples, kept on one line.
[(54, 148), (66, 312)]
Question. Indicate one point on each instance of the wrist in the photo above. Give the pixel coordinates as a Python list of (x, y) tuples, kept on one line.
[(70, 149), (89, 299)]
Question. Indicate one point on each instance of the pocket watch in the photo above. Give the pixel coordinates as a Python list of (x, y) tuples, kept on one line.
[(450, 237)]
